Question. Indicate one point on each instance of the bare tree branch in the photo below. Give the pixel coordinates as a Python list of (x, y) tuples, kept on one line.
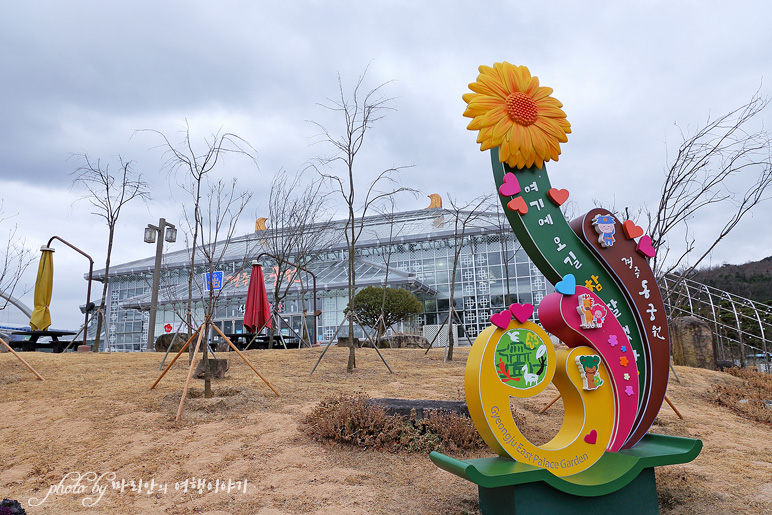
[(15, 257), (465, 215), (107, 193), (726, 166), (359, 112)]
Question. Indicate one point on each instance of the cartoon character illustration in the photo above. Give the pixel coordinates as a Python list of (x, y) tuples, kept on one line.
[(604, 226), (530, 379), (588, 368), (585, 310), (593, 315), (599, 313)]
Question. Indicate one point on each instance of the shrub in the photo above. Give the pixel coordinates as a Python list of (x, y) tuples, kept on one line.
[(748, 399), (359, 421)]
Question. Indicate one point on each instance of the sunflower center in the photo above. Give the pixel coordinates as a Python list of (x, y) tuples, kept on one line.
[(521, 108)]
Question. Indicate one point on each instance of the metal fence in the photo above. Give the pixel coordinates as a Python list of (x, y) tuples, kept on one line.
[(741, 327)]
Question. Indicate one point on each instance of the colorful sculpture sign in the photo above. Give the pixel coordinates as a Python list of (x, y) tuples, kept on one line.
[(606, 308)]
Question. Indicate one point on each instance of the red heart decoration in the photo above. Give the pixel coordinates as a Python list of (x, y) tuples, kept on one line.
[(510, 186), (591, 437), (518, 204), (631, 230), (522, 312), (501, 320), (557, 196), (645, 247)]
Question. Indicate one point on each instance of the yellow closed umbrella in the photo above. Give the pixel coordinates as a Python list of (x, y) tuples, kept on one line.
[(44, 287)]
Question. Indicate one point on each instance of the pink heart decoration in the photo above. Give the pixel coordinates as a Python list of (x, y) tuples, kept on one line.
[(518, 204), (502, 319), (522, 312), (631, 230), (645, 247), (557, 196), (591, 437), (510, 186)]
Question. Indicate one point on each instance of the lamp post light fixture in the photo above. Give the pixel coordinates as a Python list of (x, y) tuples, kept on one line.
[(154, 234)]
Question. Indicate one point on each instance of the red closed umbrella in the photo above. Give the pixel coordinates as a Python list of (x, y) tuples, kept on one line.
[(257, 312)]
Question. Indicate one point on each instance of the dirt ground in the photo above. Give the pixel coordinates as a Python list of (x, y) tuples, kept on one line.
[(95, 421)]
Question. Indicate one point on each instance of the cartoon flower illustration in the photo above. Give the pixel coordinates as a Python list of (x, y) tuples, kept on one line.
[(514, 113)]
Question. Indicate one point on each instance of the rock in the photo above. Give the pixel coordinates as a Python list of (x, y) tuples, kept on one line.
[(692, 343), (163, 341), (405, 406), (403, 341), (217, 368), (343, 341)]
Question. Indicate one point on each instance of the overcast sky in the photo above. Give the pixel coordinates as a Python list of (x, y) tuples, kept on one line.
[(85, 76)]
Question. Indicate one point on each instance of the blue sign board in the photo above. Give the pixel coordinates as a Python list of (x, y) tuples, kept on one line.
[(212, 281)]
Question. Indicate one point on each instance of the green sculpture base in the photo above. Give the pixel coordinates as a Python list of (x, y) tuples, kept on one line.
[(620, 482)]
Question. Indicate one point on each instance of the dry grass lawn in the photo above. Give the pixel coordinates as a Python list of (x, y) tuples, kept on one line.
[(95, 415)]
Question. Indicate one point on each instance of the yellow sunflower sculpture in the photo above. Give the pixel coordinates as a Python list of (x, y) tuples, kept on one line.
[(514, 113)]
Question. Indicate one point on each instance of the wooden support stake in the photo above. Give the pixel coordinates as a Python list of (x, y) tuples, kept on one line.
[(375, 345), (245, 360), (553, 401), (197, 331), (669, 403), (190, 373), (22, 360), (328, 345)]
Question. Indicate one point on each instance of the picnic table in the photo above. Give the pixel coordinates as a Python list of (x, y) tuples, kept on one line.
[(241, 340), (33, 342)]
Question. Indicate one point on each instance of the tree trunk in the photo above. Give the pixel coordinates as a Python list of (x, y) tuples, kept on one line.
[(100, 315), (352, 363)]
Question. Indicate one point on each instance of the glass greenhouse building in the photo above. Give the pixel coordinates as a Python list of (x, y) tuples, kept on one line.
[(493, 271)]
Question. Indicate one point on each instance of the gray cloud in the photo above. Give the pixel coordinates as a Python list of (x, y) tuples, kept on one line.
[(83, 77)]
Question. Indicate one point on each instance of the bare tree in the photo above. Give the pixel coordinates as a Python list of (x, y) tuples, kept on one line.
[(299, 215), (387, 250), (218, 223), (465, 216), (108, 192), (195, 166), (728, 154), (507, 256), (15, 257), (359, 112)]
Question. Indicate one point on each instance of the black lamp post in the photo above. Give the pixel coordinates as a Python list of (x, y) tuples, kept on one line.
[(153, 235)]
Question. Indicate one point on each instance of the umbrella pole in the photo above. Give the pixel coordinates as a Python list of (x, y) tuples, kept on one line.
[(190, 371), (22, 360), (246, 360), (177, 356), (81, 329), (328, 345)]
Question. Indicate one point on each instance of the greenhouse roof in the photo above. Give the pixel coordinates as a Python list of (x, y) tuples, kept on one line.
[(378, 230), (330, 275)]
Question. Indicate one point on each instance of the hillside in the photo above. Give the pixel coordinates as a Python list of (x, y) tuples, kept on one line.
[(751, 280), (95, 414)]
